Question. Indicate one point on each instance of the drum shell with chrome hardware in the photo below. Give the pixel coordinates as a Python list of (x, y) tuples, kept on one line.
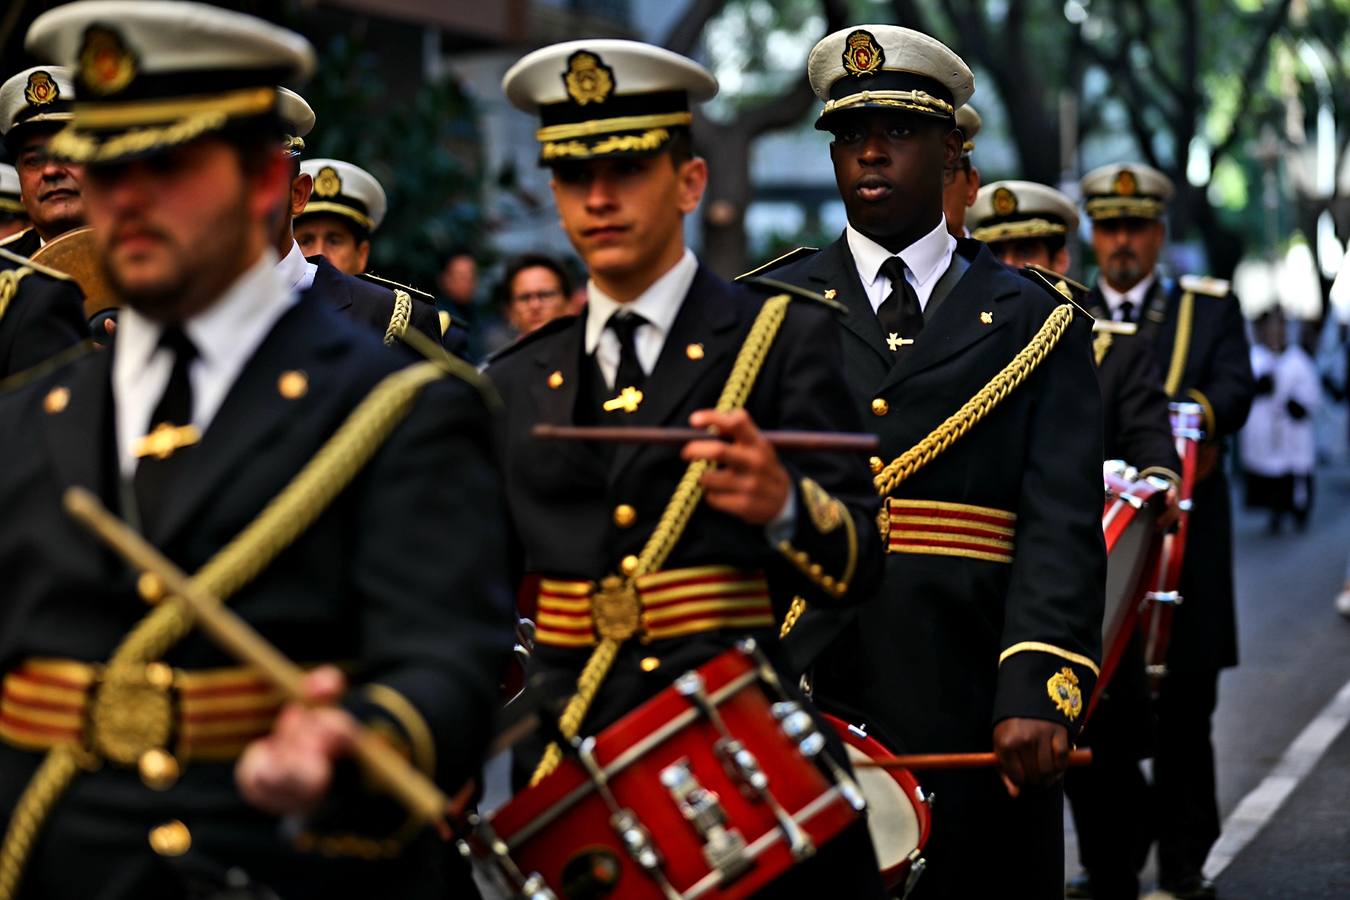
[(560, 828), (1155, 620), (1133, 541), (898, 814)]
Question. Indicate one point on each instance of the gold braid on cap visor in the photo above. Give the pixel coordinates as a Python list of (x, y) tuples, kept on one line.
[(8, 205), (338, 209), (625, 143), (1012, 231), (595, 127), (1124, 208), (915, 101)]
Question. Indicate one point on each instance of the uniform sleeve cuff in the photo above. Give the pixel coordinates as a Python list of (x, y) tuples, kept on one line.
[(1041, 681), (383, 708)]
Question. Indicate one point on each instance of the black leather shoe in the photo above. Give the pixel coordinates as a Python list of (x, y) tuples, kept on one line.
[(1079, 887), (1196, 887)]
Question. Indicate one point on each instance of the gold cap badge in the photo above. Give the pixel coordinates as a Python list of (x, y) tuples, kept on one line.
[(862, 54), (42, 89), (1126, 185), (327, 183), (106, 65), (1005, 202), (588, 79)]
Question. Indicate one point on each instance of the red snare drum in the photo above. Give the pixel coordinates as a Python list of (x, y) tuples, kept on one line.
[(1156, 618), (1130, 526), (898, 813), (713, 788)]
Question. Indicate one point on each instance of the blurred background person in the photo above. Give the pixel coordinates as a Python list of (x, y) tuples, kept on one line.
[(962, 182), (1278, 446), (13, 217), (536, 290)]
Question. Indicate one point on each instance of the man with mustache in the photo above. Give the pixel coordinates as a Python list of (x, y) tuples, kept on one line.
[(34, 105), (41, 311), (172, 769), (656, 345), (1028, 224), (986, 632), (1196, 329)]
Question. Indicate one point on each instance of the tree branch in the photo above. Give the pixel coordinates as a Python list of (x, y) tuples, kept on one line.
[(1251, 73), (684, 34)]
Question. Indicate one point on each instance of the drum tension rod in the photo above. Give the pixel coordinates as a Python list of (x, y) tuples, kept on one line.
[(742, 766), (522, 886), (637, 840), (811, 744)]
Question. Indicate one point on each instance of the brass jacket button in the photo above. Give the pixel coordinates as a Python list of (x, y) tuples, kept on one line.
[(628, 565), (880, 407), (624, 515), (170, 839), (158, 769)]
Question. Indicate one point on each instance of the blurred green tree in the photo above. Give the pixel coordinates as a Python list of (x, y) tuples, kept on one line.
[(421, 142)]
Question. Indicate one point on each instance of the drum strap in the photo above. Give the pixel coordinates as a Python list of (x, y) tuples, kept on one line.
[(971, 413), (670, 528), (281, 522)]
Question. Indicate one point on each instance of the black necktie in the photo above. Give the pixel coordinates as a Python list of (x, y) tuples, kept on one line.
[(899, 313), (155, 474), (625, 324), (1127, 311)]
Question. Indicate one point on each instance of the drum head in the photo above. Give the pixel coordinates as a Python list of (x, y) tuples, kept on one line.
[(891, 818)]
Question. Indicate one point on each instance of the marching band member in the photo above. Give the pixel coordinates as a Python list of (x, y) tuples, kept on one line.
[(34, 105), (1028, 224), (389, 311), (655, 346), (962, 181), (986, 631), (137, 758), (1196, 329)]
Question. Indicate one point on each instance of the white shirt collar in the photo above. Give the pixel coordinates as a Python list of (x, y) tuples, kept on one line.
[(1136, 295), (296, 272), (226, 335), (926, 258), (659, 304)]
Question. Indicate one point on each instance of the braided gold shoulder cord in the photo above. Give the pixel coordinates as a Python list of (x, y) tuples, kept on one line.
[(1177, 366), (1018, 369), (283, 520), (399, 319), (9, 286), (673, 521)]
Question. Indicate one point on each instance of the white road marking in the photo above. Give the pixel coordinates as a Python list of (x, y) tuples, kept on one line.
[(1256, 809)]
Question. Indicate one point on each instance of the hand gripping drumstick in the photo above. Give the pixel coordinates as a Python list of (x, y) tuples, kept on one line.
[(919, 762), (393, 772)]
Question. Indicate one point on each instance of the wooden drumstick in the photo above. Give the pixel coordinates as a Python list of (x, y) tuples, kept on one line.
[(385, 764), (838, 441), (920, 762)]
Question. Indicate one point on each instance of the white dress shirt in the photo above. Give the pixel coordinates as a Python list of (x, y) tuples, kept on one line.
[(226, 334), (296, 272), (659, 305), (927, 259), (1136, 295)]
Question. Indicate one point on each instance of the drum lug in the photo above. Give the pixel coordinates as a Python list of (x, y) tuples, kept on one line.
[(723, 848), (916, 866), (522, 886), (1156, 671), (1166, 598)]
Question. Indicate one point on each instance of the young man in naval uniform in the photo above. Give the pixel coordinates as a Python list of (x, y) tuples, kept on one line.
[(654, 347), (34, 105), (388, 312), (962, 181), (986, 631), (177, 770), (1196, 329), (1028, 224)]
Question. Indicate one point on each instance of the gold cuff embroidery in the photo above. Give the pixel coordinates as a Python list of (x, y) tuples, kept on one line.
[(1041, 647), (407, 716)]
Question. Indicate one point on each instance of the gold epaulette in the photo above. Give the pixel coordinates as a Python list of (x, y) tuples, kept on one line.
[(1107, 326), (790, 256), (1203, 284), (794, 291)]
